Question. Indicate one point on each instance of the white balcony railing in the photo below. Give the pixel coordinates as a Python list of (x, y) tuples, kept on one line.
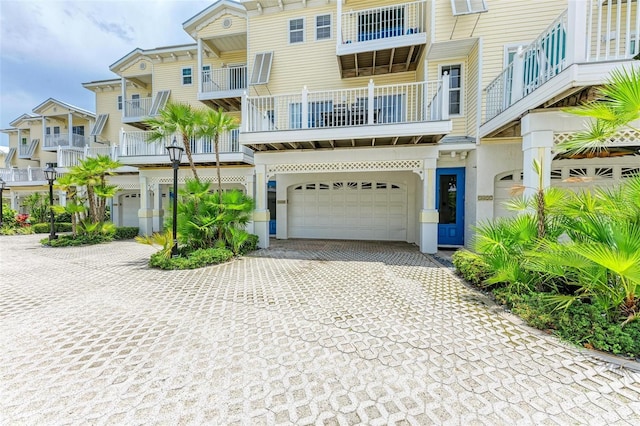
[(371, 105), (29, 174), (62, 139), (69, 157), (384, 22), (224, 79), (134, 144), (26, 150), (612, 34), (136, 108)]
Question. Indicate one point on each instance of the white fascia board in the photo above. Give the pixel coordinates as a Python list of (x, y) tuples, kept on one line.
[(381, 44)]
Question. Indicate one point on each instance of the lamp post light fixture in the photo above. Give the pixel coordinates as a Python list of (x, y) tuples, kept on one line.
[(2, 188), (175, 155), (50, 175)]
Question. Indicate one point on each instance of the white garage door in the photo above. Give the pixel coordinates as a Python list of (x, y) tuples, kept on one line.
[(129, 206), (353, 210)]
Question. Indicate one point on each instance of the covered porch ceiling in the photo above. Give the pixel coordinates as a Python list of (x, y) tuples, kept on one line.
[(367, 142), (382, 61)]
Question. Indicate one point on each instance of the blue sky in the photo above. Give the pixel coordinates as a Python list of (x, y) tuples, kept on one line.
[(48, 48)]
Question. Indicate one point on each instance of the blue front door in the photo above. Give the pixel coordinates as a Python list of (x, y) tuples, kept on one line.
[(450, 205)]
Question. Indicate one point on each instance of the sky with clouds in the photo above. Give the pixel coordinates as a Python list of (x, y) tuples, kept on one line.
[(48, 48)]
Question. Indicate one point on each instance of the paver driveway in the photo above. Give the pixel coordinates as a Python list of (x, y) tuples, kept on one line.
[(308, 332)]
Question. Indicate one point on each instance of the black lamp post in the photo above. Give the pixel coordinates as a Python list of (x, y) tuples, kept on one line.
[(2, 188), (175, 155), (50, 176)]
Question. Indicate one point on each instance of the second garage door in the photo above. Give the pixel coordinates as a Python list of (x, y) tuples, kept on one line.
[(354, 210)]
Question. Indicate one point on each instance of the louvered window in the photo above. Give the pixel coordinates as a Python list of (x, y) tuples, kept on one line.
[(262, 68), (465, 7), (100, 121)]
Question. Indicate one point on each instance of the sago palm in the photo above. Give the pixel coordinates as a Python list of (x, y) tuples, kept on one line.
[(175, 118)]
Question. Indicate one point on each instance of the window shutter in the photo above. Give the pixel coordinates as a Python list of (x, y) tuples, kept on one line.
[(100, 121), (465, 7), (262, 68), (159, 102)]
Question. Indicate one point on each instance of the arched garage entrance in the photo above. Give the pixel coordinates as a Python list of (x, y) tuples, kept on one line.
[(348, 209)]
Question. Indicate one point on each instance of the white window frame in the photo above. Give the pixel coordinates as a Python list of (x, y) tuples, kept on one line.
[(206, 78), (315, 19), (119, 102), (262, 63), (183, 76), (290, 31), (461, 65)]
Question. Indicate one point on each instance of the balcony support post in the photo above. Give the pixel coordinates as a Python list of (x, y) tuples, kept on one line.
[(244, 112), (537, 142), (429, 216), (517, 78), (339, 24), (577, 28), (157, 212), (123, 93), (70, 131), (199, 73), (444, 113), (62, 198), (370, 102), (305, 108), (44, 132), (250, 189)]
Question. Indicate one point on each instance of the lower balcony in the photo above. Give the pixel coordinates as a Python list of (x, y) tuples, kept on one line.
[(223, 87), (135, 150), (30, 176), (70, 156), (409, 113)]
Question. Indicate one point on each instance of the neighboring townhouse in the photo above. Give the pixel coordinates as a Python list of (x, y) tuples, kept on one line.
[(377, 119), (53, 132)]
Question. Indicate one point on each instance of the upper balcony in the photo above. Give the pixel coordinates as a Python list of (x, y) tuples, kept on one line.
[(135, 150), (53, 141), (381, 40), (396, 114), (136, 110), (578, 50), (223, 87)]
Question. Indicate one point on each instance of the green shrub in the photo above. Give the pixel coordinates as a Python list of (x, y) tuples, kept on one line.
[(249, 245), (45, 228), (8, 216), (80, 240), (195, 259), (126, 232), (64, 217), (470, 266)]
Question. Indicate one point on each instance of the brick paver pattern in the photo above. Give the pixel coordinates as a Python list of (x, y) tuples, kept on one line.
[(306, 332)]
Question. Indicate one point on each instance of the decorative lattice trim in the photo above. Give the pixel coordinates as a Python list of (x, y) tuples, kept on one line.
[(625, 137), (361, 166), (182, 179)]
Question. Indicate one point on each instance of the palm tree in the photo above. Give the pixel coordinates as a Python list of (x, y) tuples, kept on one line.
[(213, 123), (618, 104), (176, 118), (91, 173)]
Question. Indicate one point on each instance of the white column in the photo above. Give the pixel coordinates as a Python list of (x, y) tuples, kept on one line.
[(304, 108), (281, 207), (19, 142), (517, 77), (123, 93), (62, 198), (15, 201), (69, 128), (537, 143), (577, 23), (429, 217), (250, 191), (44, 132), (339, 24), (261, 214), (157, 212), (145, 213), (200, 65), (370, 102), (115, 209)]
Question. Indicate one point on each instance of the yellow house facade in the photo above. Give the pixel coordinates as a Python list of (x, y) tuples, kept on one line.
[(379, 119)]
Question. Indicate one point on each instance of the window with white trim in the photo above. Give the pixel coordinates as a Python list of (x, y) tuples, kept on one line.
[(466, 7), (119, 102), (323, 27), (135, 101), (455, 87), (187, 76), (206, 73), (296, 30)]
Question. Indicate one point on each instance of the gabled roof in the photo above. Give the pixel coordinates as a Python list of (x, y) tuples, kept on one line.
[(52, 101), (102, 84), (23, 117), (158, 52), (217, 8)]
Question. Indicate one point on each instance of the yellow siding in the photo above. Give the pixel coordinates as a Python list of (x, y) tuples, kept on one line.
[(471, 91), (107, 103), (238, 26), (139, 67), (168, 75), (459, 122), (54, 109), (227, 58)]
